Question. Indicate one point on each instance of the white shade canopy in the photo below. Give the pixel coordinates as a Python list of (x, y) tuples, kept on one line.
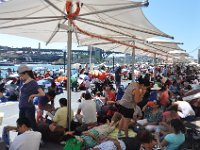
[(177, 52), (40, 20)]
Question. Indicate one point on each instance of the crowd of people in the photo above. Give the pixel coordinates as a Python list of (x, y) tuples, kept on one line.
[(152, 106)]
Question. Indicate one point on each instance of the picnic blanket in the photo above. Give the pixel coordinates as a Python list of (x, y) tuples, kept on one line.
[(113, 134)]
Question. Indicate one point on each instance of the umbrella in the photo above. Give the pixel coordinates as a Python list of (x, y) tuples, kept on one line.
[(45, 20)]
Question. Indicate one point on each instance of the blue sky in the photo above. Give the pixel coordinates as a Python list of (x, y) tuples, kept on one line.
[(179, 18)]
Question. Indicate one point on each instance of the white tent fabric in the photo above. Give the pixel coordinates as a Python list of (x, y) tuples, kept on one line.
[(177, 52), (130, 18)]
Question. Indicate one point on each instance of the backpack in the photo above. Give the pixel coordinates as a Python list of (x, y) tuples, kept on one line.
[(73, 144)]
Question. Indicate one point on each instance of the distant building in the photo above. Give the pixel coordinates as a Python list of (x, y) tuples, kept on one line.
[(97, 53)]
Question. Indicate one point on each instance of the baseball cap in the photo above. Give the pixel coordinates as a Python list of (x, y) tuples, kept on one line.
[(23, 68)]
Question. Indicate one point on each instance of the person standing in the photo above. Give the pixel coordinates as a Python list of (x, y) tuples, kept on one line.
[(118, 76), (28, 90), (126, 106)]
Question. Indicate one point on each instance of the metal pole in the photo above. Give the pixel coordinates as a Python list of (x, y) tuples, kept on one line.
[(154, 66), (69, 48), (133, 63), (113, 62), (91, 55), (129, 6), (124, 27), (64, 59)]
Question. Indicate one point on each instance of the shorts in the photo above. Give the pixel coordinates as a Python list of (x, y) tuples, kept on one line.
[(126, 112)]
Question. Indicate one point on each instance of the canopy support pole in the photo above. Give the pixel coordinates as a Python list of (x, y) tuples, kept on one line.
[(154, 66), (91, 48), (133, 62), (123, 27), (64, 59), (69, 49), (130, 6), (113, 62)]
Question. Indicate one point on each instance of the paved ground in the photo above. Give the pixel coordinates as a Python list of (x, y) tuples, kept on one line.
[(11, 111)]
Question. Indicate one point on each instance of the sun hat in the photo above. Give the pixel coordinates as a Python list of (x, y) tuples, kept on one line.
[(23, 68), (155, 87)]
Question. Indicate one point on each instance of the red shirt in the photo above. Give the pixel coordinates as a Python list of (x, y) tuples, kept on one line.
[(164, 98)]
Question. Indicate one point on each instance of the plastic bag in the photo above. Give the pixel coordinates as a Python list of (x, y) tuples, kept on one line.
[(73, 144)]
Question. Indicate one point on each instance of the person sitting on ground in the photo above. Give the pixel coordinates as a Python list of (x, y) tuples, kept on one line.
[(154, 92), (185, 110), (88, 109), (43, 103), (110, 99), (152, 116), (99, 102), (3, 99), (176, 138), (168, 115), (55, 131), (60, 118), (164, 97), (174, 88), (109, 95), (27, 139)]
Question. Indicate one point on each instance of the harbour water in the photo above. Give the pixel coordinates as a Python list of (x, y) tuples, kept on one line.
[(4, 69)]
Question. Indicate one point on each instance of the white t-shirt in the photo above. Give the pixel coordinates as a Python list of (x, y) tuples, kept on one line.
[(29, 140), (185, 109), (88, 108)]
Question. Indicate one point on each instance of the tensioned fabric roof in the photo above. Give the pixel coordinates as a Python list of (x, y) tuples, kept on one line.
[(39, 20)]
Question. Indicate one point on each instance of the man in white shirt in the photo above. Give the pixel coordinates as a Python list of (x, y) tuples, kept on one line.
[(28, 139), (185, 110), (88, 108)]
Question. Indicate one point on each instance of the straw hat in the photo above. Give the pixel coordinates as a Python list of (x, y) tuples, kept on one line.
[(155, 87)]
